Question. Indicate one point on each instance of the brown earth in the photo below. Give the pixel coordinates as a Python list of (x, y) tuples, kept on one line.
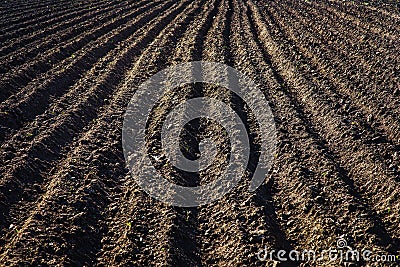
[(329, 70)]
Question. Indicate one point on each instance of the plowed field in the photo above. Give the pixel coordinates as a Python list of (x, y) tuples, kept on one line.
[(330, 71)]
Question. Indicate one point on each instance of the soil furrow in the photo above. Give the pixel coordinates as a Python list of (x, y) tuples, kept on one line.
[(345, 34), (227, 225), (18, 50), (309, 205), (297, 149), (69, 57), (176, 244), (328, 70), (382, 113), (116, 257), (56, 82), (185, 243), (350, 39), (363, 15), (76, 97), (34, 51), (362, 122), (387, 31), (59, 130), (18, 8), (183, 234), (19, 30), (339, 136), (103, 121), (26, 14)]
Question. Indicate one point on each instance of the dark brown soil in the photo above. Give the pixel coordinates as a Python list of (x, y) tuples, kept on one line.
[(329, 69)]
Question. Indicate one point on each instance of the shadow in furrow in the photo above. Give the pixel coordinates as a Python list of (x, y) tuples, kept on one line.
[(25, 48), (13, 116), (263, 195), (379, 229), (43, 155), (185, 243)]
